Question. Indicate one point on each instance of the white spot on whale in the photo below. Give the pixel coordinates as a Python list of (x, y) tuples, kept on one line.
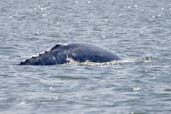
[(53, 58)]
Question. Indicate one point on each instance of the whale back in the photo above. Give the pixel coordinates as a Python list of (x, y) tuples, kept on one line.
[(78, 52), (88, 52)]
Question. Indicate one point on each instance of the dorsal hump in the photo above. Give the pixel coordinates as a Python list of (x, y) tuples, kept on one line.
[(57, 46)]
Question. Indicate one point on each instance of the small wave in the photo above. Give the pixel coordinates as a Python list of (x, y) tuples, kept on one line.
[(134, 60)]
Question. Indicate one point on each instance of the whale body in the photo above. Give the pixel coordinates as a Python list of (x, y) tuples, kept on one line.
[(59, 54)]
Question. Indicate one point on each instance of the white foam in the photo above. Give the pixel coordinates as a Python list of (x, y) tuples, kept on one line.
[(115, 62)]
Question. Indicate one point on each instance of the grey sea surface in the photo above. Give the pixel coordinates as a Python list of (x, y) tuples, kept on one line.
[(133, 29)]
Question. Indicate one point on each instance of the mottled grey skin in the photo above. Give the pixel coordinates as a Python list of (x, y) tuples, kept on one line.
[(78, 52)]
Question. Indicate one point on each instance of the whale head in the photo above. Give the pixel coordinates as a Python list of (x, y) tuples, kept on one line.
[(42, 59)]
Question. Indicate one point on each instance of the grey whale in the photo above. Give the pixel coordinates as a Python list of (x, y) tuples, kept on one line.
[(77, 51)]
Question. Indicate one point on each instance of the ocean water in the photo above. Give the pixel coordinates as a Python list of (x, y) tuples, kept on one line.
[(133, 29)]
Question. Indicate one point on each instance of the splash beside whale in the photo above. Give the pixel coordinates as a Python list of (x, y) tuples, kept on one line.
[(76, 51)]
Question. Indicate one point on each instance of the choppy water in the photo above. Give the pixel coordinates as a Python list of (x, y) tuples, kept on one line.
[(131, 28)]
